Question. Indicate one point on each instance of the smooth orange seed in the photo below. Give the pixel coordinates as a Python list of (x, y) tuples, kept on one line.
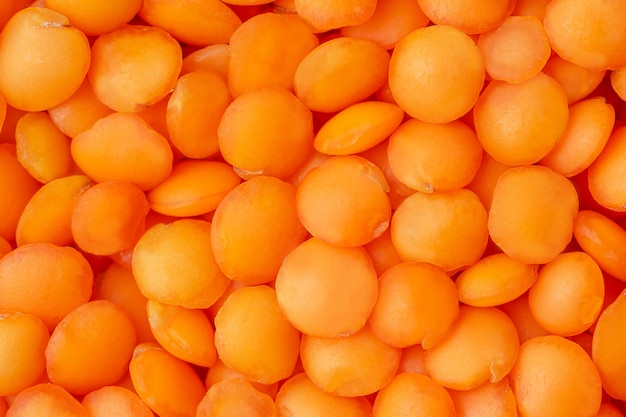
[(45, 399), (471, 17), (235, 396), (115, 401), (604, 172), (327, 15), (214, 58), (577, 81)]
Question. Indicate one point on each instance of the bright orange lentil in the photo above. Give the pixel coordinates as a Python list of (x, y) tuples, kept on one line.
[(185, 333), (525, 60), (311, 288), (299, 396), (266, 50), (471, 17), (417, 304), (494, 280), (253, 336), (219, 372), (254, 227), (79, 112), (40, 76), (327, 15), (604, 240), (391, 21), (382, 252), (343, 366), (605, 171), (167, 252), (234, 397), (16, 189), (23, 341), (192, 22), (42, 149), (436, 73), (481, 347), (114, 401), (361, 210), (253, 127), (577, 81), (568, 295), (193, 188), (116, 145), (358, 127), (522, 192), (587, 35), (518, 311), (411, 394), (109, 217), (519, 124), (46, 399), (96, 17), (169, 386), (431, 157), (214, 58), (134, 67), (58, 280), (359, 66), (589, 127), (535, 8), (551, 367), (447, 229), (194, 111), (492, 399), (91, 347)]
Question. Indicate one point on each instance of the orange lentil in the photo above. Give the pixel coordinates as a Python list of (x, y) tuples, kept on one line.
[(42, 149), (608, 340), (382, 252), (522, 192), (192, 22), (432, 157), (79, 112), (165, 252), (214, 58), (253, 336), (577, 81), (535, 8), (471, 17), (519, 124), (254, 227), (436, 73), (117, 284), (91, 347), (194, 111), (361, 210), (358, 127), (417, 304), (359, 66), (411, 394), (45, 399), (551, 367), (525, 60), (300, 396), (391, 21), (452, 229), (96, 17), (343, 366), (495, 280), (109, 217), (519, 312), (326, 15), (219, 371), (58, 280), (604, 240), (253, 127), (134, 67), (185, 333), (114, 401), (104, 152), (235, 396), (193, 188), (587, 35), (605, 171), (311, 288), (16, 189), (24, 338), (168, 385), (40, 76), (266, 50), (492, 399), (481, 347), (589, 127)]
